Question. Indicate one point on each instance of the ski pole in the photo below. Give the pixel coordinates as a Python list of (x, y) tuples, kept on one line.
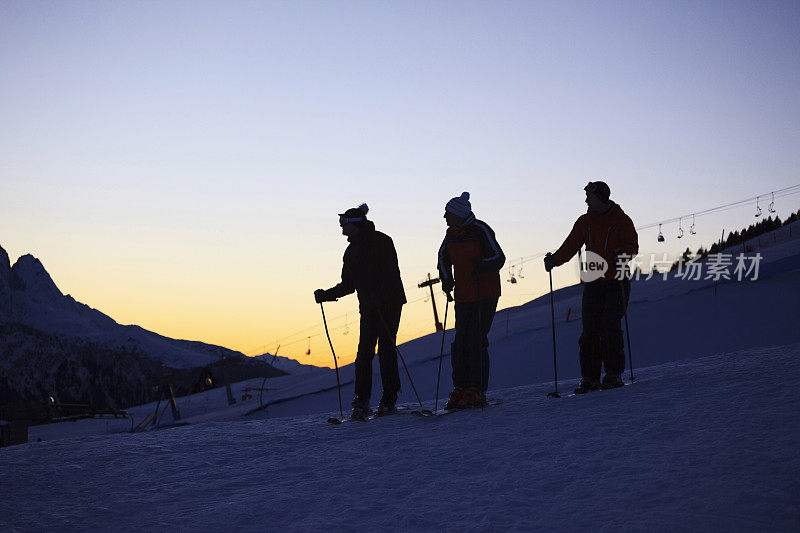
[(397, 351), (628, 333), (441, 352), (627, 330), (336, 363), (555, 393), (480, 335)]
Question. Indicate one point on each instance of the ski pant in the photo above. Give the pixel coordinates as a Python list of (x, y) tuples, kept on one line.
[(469, 353), (604, 304), (378, 326)]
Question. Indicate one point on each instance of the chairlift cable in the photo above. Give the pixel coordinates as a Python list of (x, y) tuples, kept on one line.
[(794, 189)]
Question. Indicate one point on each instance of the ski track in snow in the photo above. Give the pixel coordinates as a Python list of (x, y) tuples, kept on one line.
[(701, 444)]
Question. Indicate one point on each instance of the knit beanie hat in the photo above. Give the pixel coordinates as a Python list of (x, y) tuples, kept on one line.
[(354, 215), (599, 189), (459, 205)]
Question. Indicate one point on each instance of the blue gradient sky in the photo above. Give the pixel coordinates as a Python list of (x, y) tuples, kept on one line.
[(179, 165)]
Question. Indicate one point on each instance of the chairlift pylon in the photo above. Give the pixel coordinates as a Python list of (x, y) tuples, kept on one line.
[(660, 235)]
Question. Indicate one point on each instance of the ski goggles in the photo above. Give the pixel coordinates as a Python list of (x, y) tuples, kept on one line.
[(349, 220)]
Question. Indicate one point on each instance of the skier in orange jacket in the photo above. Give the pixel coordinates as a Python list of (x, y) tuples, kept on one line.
[(609, 233), (469, 262)]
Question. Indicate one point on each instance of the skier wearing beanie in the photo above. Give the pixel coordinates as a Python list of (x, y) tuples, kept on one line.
[(370, 269), (469, 262), (608, 232)]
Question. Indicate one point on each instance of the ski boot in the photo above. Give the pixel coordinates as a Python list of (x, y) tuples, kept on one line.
[(387, 404), (454, 401), (587, 385), (472, 398), (361, 408), (612, 381)]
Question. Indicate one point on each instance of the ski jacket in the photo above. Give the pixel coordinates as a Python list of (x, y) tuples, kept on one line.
[(608, 235), (370, 268), (470, 260)]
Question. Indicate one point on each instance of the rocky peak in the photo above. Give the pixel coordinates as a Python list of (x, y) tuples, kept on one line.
[(5, 288), (5, 264), (35, 279)]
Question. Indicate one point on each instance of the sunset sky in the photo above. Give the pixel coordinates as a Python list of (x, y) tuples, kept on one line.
[(180, 165)]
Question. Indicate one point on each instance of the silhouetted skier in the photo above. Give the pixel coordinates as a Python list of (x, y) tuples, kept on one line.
[(470, 261), (608, 232), (370, 268)]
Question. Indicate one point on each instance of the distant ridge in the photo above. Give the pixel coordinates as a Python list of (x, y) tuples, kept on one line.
[(53, 345), (29, 296)]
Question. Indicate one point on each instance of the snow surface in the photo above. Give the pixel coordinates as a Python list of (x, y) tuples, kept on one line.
[(669, 320), (287, 364), (706, 438), (699, 444)]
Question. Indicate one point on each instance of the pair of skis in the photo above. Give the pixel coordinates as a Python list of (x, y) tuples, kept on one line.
[(624, 384), (489, 403), (373, 416), (421, 413)]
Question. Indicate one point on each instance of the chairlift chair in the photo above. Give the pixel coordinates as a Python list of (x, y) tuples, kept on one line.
[(660, 235), (771, 207), (691, 228), (680, 229), (758, 209), (511, 278)]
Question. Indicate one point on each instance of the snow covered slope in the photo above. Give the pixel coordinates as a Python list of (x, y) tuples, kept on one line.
[(698, 444), (706, 438), (669, 320), (29, 296), (291, 366)]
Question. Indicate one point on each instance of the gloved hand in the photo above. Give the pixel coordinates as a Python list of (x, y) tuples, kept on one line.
[(549, 261), (447, 286), (321, 295)]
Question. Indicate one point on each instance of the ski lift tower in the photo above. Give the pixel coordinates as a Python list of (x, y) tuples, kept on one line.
[(430, 283)]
